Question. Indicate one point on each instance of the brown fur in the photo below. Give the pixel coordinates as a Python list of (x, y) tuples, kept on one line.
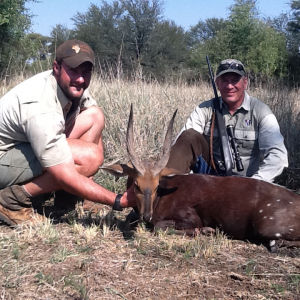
[(243, 208)]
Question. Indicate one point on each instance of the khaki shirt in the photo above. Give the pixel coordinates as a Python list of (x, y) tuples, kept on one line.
[(257, 134), (35, 112)]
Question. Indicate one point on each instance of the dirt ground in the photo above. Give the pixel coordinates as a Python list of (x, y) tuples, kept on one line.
[(100, 256)]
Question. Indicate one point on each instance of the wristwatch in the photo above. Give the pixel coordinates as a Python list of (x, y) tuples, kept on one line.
[(117, 205)]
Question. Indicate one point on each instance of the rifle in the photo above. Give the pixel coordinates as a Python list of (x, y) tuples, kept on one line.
[(223, 136)]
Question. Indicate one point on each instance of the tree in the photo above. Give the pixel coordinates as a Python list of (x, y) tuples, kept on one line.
[(58, 35), (15, 21), (100, 28), (206, 30), (293, 37), (131, 35), (294, 23), (139, 23), (167, 54), (247, 38)]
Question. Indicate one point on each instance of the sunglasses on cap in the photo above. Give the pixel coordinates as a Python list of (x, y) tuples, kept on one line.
[(232, 66)]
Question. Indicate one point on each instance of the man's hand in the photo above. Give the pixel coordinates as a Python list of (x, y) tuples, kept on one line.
[(129, 198)]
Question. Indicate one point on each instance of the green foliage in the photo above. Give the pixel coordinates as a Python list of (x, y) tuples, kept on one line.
[(293, 36), (245, 37), (205, 30), (100, 28), (294, 24), (166, 52), (139, 22), (130, 36), (15, 21), (58, 35)]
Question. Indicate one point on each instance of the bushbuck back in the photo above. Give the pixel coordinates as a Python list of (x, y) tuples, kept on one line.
[(243, 208)]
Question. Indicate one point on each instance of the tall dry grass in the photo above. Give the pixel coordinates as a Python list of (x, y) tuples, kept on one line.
[(154, 104)]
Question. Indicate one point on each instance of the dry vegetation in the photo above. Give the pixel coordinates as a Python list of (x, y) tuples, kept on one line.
[(100, 256)]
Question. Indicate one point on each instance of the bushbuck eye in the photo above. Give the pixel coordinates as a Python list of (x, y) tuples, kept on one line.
[(137, 188)]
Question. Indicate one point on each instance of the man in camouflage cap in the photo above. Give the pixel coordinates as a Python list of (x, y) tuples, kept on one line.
[(256, 131), (51, 138)]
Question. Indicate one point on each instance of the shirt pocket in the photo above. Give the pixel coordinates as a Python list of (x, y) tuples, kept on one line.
[(6, 159), (247, 141)]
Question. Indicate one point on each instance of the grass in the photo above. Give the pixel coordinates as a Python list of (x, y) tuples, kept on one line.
[(102, 257)]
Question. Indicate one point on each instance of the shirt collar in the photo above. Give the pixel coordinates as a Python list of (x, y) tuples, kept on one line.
[(246, 103)]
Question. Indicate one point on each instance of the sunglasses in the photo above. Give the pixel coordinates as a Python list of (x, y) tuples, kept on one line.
[(233, 66)]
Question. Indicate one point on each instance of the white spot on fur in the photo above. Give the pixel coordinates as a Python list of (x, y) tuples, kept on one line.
[(271, 218), (291, 229), (173, 175), (272, 243), (278, 200), (278, 235), (265, 217), (291, 202), (261, 211), (269, 204)]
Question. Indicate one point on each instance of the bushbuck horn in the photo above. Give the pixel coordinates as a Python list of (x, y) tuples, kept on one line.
[(130, 145), (166, 148)]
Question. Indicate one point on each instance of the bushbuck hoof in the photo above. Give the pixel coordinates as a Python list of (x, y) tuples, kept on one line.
[(133, 218), (274, 245), (207, 231)]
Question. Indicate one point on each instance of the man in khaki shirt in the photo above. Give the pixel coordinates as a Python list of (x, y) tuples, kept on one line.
[(256, 131), (51, 137)]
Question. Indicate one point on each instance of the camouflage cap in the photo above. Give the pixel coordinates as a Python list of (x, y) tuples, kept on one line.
[(230, 66), (74, 53)]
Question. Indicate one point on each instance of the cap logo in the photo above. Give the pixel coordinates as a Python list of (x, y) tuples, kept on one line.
[(76, 48)]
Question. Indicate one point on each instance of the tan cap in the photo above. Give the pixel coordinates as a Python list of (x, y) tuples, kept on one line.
[(74, 53), (230, 66)]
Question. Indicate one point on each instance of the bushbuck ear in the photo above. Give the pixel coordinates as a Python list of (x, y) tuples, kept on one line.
[(170, 172), (120, 170)]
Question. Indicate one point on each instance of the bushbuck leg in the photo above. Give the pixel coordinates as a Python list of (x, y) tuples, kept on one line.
[(186, 150)]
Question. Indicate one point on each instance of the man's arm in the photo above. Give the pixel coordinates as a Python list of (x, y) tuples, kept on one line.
[(73, 182), (73, 173), (272, 147), (65, 176)]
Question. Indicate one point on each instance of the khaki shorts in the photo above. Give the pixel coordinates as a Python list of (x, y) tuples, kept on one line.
[(19, 165)]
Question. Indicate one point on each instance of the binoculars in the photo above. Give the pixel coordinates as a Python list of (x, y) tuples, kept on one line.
[(236, 154)]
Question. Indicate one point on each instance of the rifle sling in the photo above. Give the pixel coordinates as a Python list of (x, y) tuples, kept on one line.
[(211, 149), (224, 140)]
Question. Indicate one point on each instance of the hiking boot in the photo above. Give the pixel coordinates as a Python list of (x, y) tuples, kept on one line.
[(15, 207), (22, 216), (65, 201)]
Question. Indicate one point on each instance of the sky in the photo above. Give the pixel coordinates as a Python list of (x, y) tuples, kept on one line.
[(185, 13)]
